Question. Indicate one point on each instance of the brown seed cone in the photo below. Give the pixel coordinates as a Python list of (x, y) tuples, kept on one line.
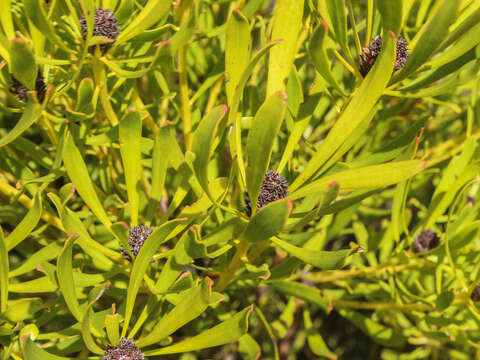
[(475, 296), (274, 188), (126, 350), (21, 90), (105, 24), (137, 237), (426, 240), (370, 53)]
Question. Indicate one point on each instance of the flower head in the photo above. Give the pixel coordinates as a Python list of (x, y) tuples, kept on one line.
[(105, 24), (274, 188), (137, 237), (126, 350), (426, 240), (370, 53), (20, 90)]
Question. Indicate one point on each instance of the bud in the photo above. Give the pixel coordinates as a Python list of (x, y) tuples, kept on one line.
[(370, 53), (126, 350), (475, 296), (20, 90), (137, 237), (105, 24), (274, 188), (426, 240)]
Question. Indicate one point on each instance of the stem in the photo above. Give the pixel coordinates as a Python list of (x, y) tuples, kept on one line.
[(101, 82), (10, 191), (335, 275), (235, 264), (381, 305), (184, 101)]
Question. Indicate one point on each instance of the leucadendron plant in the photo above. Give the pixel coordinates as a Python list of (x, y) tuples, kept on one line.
[(239, 179)]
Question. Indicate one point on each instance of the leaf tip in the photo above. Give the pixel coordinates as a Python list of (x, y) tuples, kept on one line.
[(424, 165), (161, 43), (392, 34), (224, 108), (325, 25)]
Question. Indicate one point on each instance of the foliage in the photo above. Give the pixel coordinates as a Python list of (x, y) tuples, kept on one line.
[(174, 123)]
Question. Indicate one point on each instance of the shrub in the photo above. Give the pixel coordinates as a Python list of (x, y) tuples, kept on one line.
[(239, 179)]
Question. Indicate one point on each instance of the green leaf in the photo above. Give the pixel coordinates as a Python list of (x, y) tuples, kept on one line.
[(4, 268), (87, 328), (427, 41), (248, 348), (159, 169), (192, 306), (130, 134), (22, 65), (356, 110), (269, 221), (376, 331), (46, 253), (23, 309), (30, 115), (261, 137), (364, 178), (34, 352), (391, 11), (325, 260), (36, 13), (26, 226), (318, 54), (112, 326), (337, 10), (287, 23), (78, 173), (153, 12), (6, 20), (65, 278), (238, 44), (315, 340), (224, 333), (203, 144), (73, 225), (468, 41), (236, 139), (301, 291), (141, 263)]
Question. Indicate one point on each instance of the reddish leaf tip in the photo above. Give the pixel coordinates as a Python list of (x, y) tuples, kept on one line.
[(238, 12), (161, 43), (392, 34), (333, 183), (325, 25), (289, 204), (225, 108), (15, 40), (88, 79), (424, 165)]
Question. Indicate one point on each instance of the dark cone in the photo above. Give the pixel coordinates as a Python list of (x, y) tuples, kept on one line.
[(274, 188), (105, 24), (426, 240), (20, 90), (137, 237), (370, 53), (126, 350), (475, 296)]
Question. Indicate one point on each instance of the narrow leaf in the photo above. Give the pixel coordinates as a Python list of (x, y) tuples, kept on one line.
[(224, 333), (78, 173), (192, 305), (261, 137), (364, 178), (130, 134)]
